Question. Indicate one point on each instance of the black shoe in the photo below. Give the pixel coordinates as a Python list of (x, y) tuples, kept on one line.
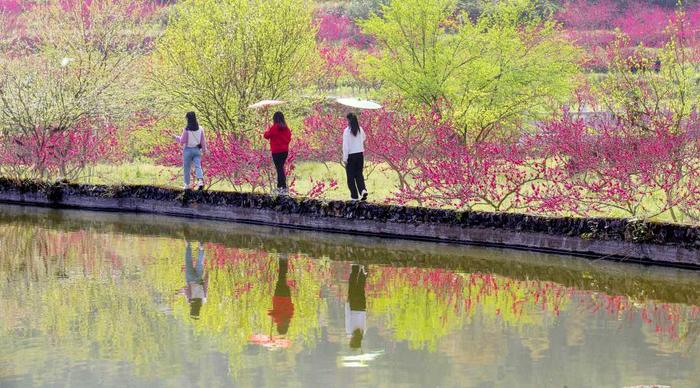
[(364, 195)]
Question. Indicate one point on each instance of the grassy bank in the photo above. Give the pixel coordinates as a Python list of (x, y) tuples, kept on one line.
[(380, 183)]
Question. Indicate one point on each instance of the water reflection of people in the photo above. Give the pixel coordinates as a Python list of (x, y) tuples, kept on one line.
[(195, 290), (282, 306), (356, 306)]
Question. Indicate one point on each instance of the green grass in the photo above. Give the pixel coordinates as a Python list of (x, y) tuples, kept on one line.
[(133, 173), (379, 184), (140, 173)]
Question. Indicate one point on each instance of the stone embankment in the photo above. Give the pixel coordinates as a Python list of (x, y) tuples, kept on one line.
[(609, 238)]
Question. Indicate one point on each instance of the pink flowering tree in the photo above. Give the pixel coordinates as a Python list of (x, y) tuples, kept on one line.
[(592, 25), (402, 138), (322, 131), (337, 64), (334, 27), (646, 85), (480, 176), (396, 138), (634, 152), (61, 154), (639, 158), (70, 75), (604, 166), (584, 15), (645, 24), (341, 46)]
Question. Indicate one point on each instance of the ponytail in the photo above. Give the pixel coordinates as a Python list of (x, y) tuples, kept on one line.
[(354, 125)]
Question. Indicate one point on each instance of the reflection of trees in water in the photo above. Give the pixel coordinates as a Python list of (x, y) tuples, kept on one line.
[(104, 296), (40, 253), (71, 292), (423, 305), (103, 308)]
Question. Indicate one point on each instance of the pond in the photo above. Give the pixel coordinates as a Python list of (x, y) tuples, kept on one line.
[(105, 299)]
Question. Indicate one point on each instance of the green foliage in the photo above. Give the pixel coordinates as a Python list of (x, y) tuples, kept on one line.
[(362, 9), (492, 74), (218, 57), (544, 8), (424, 312)]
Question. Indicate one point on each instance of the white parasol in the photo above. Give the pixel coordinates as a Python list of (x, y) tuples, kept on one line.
[(266, 103), (360, 104)]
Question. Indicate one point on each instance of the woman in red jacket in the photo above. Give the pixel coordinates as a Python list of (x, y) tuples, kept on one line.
[(279, 136)]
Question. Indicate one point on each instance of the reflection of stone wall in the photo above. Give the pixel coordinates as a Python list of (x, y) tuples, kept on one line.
[(630, 240)]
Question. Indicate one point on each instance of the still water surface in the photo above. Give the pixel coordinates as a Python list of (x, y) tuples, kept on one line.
[(93, 299)]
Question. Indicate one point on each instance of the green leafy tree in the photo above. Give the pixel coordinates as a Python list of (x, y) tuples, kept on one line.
[(218, 57), (476, 7), (507, 67), (362, 9)]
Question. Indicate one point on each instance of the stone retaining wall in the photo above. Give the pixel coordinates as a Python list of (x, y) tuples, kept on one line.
[(625, 240)]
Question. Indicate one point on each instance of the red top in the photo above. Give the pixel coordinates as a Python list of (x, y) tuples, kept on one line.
[(282, 309), (279, 138)]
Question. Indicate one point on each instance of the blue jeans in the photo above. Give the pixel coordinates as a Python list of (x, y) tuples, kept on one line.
[(192, 155), (194, 273)]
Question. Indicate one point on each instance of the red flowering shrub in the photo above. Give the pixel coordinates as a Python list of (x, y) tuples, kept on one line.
[(493, 176), (66, 154)]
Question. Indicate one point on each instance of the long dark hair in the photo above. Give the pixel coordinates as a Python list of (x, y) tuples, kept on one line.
[(192, 124), (278, 118), (354, 125)]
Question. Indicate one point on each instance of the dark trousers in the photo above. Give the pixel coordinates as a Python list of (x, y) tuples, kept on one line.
[(353, 169), (279, 158), (356, 289)]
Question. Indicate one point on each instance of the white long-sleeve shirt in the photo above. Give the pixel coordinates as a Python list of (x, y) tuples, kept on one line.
[(354, 320), (352, 144)]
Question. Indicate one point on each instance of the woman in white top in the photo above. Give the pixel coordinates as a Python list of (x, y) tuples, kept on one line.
[(194, 146), (353, 158)]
